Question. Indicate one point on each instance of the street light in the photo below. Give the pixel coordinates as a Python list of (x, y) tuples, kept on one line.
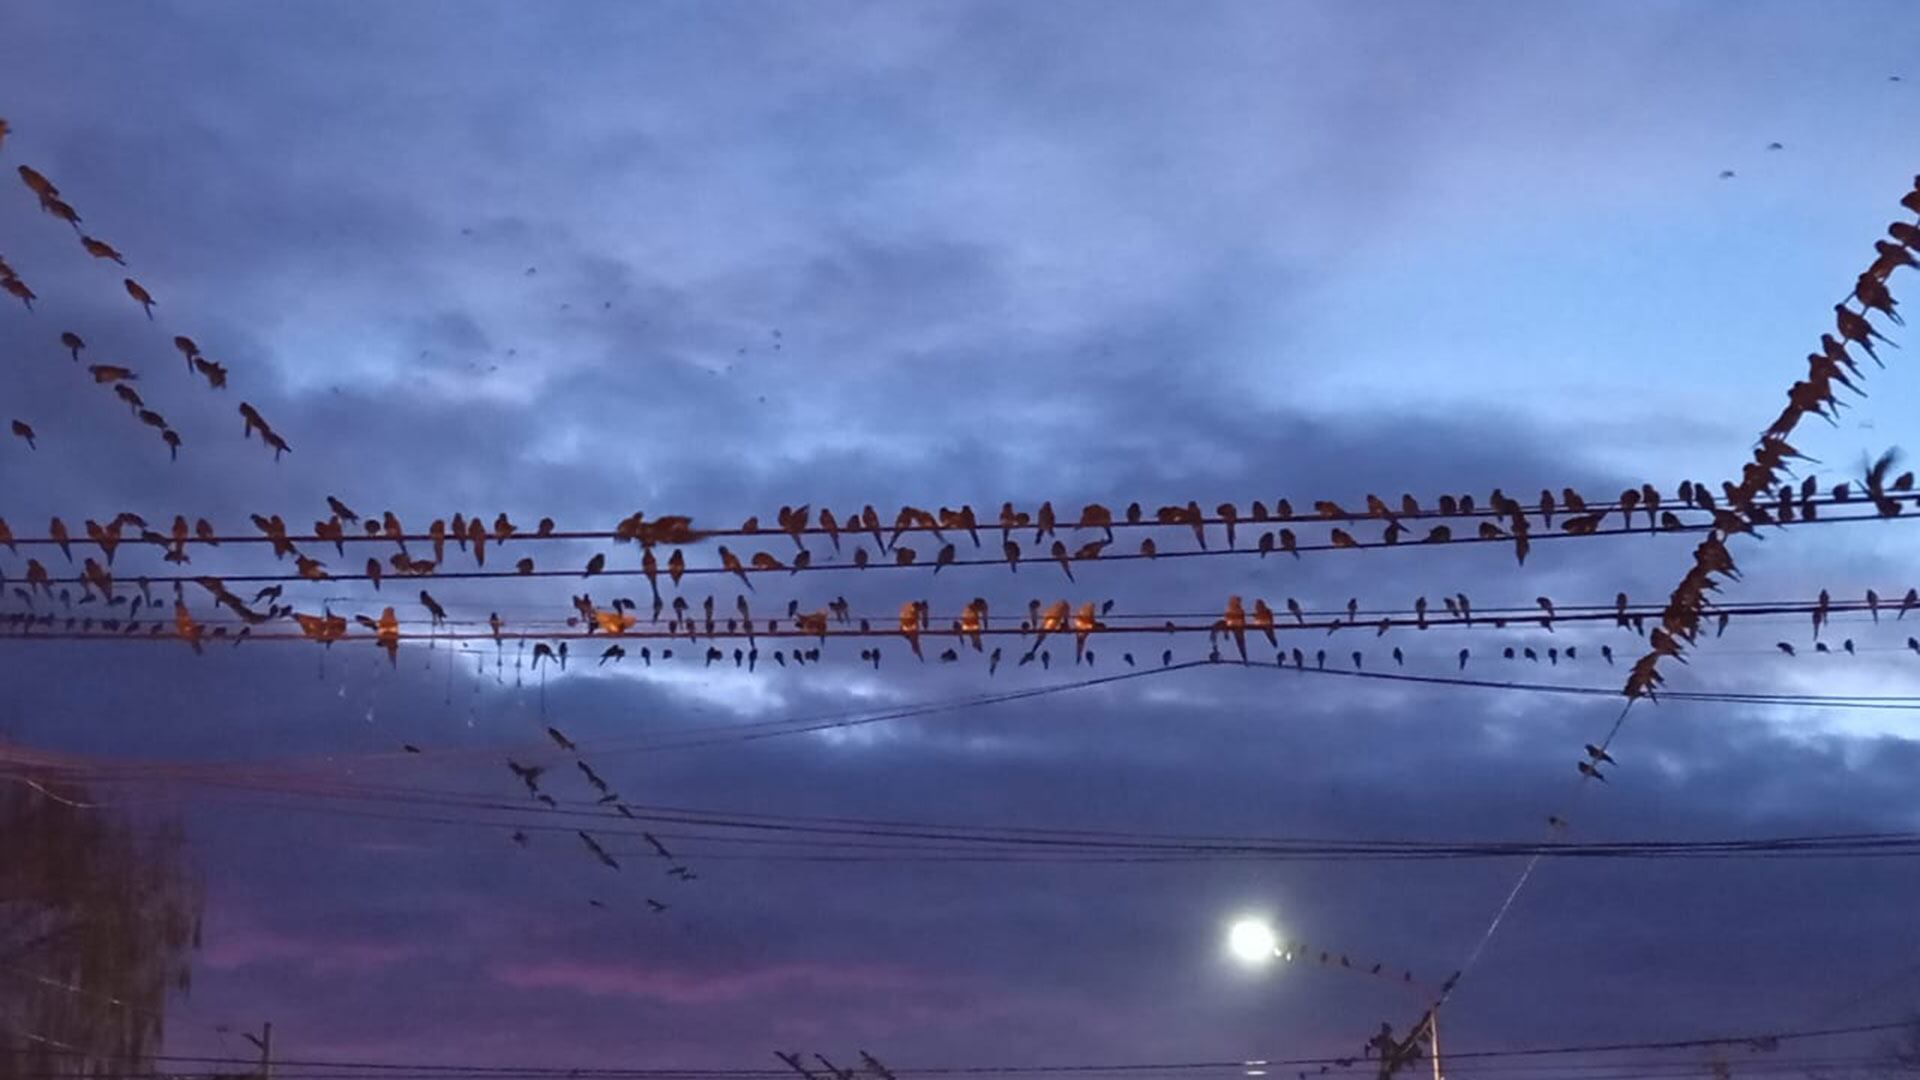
[(1253, 942)]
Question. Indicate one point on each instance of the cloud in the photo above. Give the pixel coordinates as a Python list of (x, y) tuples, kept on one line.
[(704, 989)]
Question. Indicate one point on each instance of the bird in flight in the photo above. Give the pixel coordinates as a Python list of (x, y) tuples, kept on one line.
[(25, 431)]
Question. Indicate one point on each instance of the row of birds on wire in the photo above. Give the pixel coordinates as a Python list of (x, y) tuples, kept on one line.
[(972, 627), (119, 376), (1688, 606), (1886, 495), (1832, 366)]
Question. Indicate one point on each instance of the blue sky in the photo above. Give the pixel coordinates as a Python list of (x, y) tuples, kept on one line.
[(716, 258)]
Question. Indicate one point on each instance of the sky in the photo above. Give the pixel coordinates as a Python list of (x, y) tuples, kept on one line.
[(713, 259)]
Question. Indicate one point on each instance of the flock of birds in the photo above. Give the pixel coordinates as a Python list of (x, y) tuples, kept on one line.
[(1766, 495), (530, 776), (96, 580), (118, 376), (1816, 395)]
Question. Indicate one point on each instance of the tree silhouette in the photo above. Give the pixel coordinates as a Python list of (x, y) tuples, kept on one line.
[(97, 918)]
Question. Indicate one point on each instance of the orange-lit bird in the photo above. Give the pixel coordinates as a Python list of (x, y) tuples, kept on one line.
[(37, 183), (100, 249)]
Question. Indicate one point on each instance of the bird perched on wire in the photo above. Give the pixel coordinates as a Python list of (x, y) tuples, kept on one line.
[(140, 296)]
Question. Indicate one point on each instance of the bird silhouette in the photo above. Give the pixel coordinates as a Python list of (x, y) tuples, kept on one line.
[(19, 289), (215, 374), (24, 430), (140, 296), (598, 851), (100, 249)]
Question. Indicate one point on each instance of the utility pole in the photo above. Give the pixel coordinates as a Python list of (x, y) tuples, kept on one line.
[(1397, 1054), (1433, 1039), (264, 1043)]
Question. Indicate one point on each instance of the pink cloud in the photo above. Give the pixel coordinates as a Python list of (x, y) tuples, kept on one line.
[(706, 988), (252, 945)]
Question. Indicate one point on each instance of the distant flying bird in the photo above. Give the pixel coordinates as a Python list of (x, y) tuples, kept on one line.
[(1600, 755), (25, 431)]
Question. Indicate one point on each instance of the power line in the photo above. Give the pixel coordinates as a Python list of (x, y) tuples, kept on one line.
[(1034, 559), (1756, 1041)]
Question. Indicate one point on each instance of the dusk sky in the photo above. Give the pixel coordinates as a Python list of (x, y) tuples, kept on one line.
[(580, 260)]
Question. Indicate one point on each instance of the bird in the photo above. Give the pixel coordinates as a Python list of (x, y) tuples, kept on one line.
[(1587, 770), (598, 851), (25, 431), (140, 296), (1726, 174), (593, 777), (73, 343), (216, 374), (560, 739), (19, 289), (655, 906), (61, 209), (1599, 754), (100, 249)]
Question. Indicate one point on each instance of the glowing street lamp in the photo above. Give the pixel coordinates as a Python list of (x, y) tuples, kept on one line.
[(1253, 942)]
